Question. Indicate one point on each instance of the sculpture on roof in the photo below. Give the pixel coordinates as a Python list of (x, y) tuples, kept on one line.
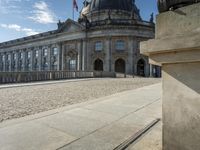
[(151, 18)]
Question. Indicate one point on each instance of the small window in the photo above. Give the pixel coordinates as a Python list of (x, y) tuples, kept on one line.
[(55, 51), (3, 58), (21, 55), (9, 57), (72, 64), (45, 52), (120, 45), (36, 53), (15, 56), (29, 54), (98, 46)]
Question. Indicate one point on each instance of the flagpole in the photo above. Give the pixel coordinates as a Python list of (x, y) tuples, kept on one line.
[(73, 10)]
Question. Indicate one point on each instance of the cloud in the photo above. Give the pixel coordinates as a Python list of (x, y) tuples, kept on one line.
[(10, 6), (42, 13), (18, 28)]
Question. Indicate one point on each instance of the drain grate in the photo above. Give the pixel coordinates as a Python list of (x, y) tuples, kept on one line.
[(136, 136)]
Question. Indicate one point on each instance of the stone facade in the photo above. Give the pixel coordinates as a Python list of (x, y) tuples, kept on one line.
[(177, 48), (103, 40)]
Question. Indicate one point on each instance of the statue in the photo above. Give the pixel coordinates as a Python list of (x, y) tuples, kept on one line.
[(59, 24), (87, 22), (166, 5), (152, 18)]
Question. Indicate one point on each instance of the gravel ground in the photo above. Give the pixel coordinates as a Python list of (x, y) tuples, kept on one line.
[(21, 101)]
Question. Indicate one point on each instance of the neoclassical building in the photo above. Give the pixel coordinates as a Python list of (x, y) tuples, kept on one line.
[(106, 37)]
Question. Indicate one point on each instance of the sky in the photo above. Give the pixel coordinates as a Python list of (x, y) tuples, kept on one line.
[(20, 18)]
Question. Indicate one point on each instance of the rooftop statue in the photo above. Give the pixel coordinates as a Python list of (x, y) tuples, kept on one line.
[(166, 5)]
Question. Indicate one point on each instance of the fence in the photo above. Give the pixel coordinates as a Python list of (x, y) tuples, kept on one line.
[(19, 77)]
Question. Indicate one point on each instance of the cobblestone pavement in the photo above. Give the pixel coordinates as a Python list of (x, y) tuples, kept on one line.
[(21, 101)]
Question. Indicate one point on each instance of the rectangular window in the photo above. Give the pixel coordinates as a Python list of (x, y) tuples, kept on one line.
[(45, 52), (29, 54), (55, 51), (72, 64), (15, 56), (3, 58), (21, 55), (120, 45), (9, 57), (98, 46), (36, 53)]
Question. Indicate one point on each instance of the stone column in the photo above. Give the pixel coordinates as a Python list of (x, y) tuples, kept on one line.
[(49, 57), (4, 61), (40, 51), (84, 55), (24, 60), (63, 57), (129, 66), (31, 59), (16, 60), (177, 49), (11, 61), (59, 46), (107, 59), (151, 70), (79, 56)]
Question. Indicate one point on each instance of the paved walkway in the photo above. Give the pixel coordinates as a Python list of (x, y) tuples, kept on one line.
[(13, 85), (93, 125)]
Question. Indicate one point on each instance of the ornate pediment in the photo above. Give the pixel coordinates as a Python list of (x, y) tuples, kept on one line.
[(70, 26), (96, 55)]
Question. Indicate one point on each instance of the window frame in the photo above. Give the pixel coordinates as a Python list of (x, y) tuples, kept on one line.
[(29, 54), (45, 52), (55, 49), (36, 53), (98, 46), (120, 45), (72, 64)]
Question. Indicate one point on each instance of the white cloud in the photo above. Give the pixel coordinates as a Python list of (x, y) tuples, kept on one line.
[(10, 6), (18, 28), (42, 13), (29, 31)]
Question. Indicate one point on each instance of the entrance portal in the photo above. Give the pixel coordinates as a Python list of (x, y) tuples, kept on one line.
[(98, 65), (120, 66)]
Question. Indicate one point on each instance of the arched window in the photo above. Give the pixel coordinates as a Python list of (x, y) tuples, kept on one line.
[(98, 65), (120, 66), (71, 59)]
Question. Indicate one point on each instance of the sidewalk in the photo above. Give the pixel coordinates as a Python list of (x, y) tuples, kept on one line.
[(93, 125)]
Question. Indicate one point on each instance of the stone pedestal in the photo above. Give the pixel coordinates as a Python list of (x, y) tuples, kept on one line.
[(177, 49)]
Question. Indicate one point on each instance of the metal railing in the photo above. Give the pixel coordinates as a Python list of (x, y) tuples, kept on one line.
[(21, 77)]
